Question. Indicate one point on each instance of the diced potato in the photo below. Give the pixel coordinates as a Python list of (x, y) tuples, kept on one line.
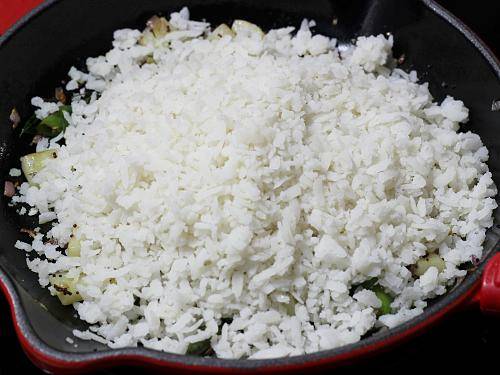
[(150, 60), (245, 27), (290, 308), (74, 247), (31, 164), (221, 31), (432, 260), (66, 288), (159, 26), (146, 38)]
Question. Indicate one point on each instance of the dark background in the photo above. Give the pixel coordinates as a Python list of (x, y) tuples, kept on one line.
[(465, 341)]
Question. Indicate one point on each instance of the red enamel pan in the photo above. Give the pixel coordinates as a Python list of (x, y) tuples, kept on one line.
[(37, 52)]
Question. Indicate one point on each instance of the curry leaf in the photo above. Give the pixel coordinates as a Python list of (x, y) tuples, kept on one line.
[(199, 348), (30, 125), (54, 123), (50, 126)]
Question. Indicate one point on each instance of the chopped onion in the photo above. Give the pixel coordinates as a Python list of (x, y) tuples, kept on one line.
[(9, 190), (14, 117)]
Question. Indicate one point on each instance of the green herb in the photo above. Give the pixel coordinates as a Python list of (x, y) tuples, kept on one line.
[(200, 348), (54, 123), (87, 97), (384, 298), (30, 125), (369, 284), (50, 126)]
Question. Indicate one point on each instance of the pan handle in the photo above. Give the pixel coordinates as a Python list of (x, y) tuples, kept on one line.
[(489, 294), (13, 10)]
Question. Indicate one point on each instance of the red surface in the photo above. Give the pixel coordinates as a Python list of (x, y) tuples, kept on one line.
[(488, 296), (12, 10)]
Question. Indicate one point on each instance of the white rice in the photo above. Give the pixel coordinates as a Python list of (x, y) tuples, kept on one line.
[(257, 179), (14, 172)]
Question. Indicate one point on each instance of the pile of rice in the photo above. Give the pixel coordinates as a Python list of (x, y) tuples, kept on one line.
[(259, 178)]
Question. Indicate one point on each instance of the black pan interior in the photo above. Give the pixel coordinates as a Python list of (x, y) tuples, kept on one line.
[(37, 55)]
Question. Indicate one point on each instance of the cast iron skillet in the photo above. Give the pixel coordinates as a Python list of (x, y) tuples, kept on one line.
[(36, 54)]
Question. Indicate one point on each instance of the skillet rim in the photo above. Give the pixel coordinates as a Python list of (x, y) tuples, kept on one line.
[(45, 355)]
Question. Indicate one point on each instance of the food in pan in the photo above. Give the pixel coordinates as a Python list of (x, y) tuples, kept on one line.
[(245, 194)]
